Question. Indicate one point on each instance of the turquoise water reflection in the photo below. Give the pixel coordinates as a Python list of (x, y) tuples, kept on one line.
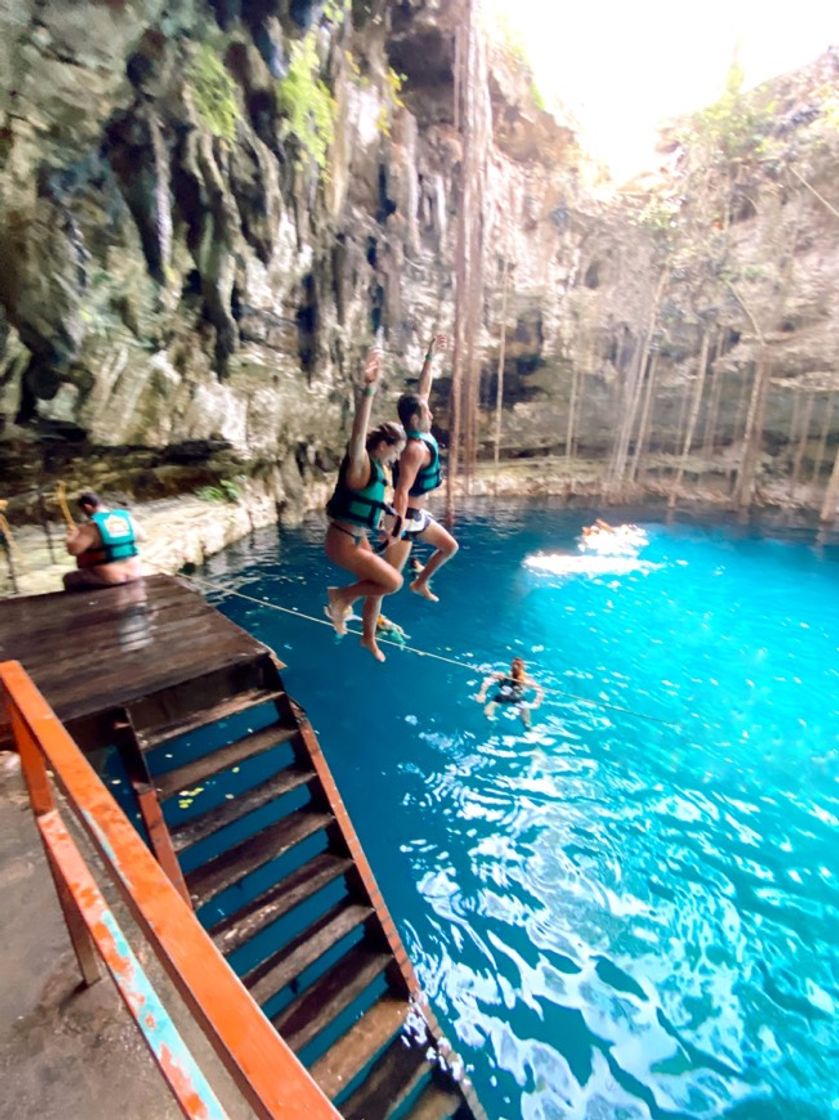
[(612, 916)]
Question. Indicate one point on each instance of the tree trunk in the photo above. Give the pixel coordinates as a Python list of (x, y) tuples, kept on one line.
[(820, 454), (679, 438), (803, 436), (632, 393), (696, 402), (646, 418), (738, 425), (753, 434), (710, 432)]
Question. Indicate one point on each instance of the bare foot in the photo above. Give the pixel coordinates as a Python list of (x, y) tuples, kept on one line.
[(371, 645), (336, 611), (420, 588)]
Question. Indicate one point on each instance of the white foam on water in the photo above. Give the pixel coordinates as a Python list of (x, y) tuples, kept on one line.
[(570, 564)]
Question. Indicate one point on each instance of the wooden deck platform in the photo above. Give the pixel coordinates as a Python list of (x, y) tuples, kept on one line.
[(95, 653), (285, 889)]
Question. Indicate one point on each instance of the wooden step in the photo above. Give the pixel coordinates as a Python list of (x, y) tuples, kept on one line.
[(235, 929), (435, 1103), (362, 1042), (273, 974), (249, 698), (218, 874), (391, 1079), (196, 772), (330, 994), (198, 828)]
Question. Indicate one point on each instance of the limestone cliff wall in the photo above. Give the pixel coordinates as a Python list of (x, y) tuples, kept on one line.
[(208, 206)]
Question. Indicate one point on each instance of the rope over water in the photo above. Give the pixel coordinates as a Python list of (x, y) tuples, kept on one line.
[(295, 613)]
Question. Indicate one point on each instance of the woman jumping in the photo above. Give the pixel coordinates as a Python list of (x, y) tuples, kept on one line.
[(356, 508)]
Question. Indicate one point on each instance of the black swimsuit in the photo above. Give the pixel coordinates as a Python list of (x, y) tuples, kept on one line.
[(508, 691)]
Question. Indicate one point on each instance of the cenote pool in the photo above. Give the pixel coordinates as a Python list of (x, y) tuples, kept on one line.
[(613, 914)]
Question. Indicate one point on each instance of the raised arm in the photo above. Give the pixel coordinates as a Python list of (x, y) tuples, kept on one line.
[(359, 466), (81, 538), (438, 342)]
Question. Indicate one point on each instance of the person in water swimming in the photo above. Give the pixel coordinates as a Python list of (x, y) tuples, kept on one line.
[(510, 688), (356, 509), (416, 475)]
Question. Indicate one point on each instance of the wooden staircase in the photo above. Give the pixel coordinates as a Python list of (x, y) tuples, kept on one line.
[(278, 878)]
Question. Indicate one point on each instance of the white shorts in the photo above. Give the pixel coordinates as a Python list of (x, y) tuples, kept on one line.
[(416, 522)]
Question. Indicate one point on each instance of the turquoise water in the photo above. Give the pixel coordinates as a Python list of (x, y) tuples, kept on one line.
[(613, 914)]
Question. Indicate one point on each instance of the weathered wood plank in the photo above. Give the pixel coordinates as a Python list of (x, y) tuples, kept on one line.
[(390, 1080), (272, 975), (435, 1103), (201, 769), (362, 1042), (330, 994), (240, 701), (199, 828), (305, 881), (226, 869), (93, 652)]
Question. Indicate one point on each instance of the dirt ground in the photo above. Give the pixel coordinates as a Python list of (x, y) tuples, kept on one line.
[(67, 1053)]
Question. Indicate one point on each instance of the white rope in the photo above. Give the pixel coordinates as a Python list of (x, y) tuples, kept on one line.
[(421, 652)]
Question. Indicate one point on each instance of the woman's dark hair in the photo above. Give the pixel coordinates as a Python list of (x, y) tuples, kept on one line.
[(388, 433)]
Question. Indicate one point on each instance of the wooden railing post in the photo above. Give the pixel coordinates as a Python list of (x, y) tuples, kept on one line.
[(43, 802), (160, 840)]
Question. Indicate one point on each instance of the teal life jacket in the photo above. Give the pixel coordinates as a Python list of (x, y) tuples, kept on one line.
[(118, 539), (429, 477), (360, 507)]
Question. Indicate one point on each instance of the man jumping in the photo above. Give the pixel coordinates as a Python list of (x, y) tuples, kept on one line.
[(416, 475)]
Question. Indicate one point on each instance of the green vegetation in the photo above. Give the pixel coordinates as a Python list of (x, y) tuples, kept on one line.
[(736, 127), (537, 97), (393, 91), (306, 101), (214, 91), (336, 10), (226, 491)]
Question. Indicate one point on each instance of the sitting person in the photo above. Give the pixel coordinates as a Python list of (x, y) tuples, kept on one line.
[(105, 546), (510, 689)]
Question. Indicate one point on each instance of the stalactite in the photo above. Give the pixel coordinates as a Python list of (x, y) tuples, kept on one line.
[(162, 196), (502, 354), (693, 416), (572, 410)]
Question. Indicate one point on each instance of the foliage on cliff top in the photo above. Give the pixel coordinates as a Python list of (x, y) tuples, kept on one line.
[(214, 91)]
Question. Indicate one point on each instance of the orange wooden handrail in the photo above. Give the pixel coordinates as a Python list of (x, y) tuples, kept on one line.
[(266, 1071)]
